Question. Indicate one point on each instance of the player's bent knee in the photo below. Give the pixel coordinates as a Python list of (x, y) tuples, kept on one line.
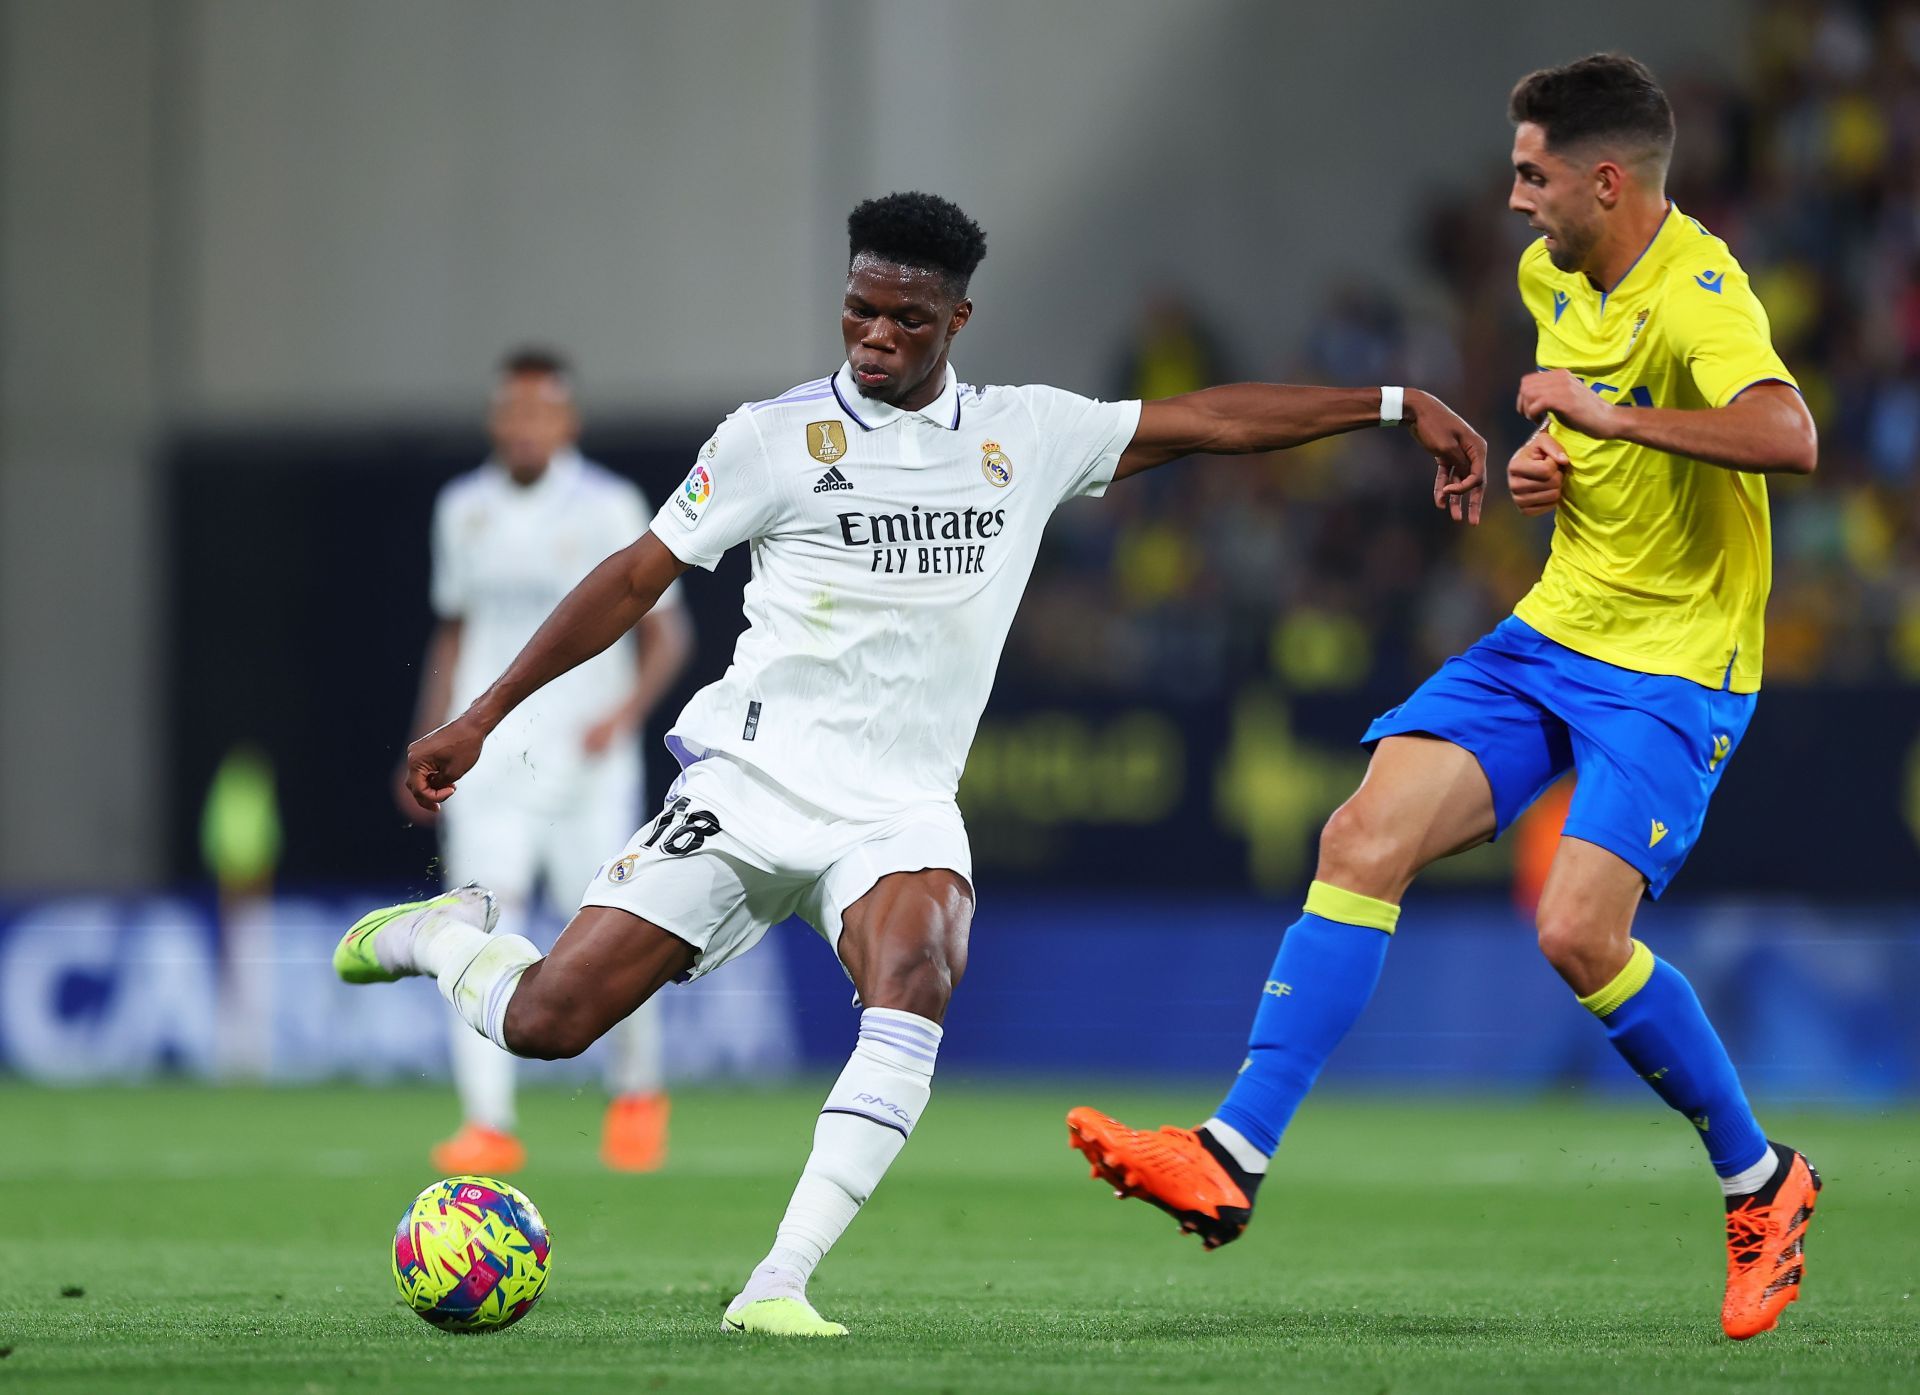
[(541, 1032), (1360, 852), (1581, 951), (920, 983)]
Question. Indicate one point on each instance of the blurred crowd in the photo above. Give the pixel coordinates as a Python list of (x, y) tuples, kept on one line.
[(1328, 569)]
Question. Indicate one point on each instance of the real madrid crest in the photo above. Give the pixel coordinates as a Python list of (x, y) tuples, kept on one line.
[(826, 441), (995, 465), (622, 869)]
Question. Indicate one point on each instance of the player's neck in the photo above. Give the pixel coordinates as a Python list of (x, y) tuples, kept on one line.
[(1634, 230), (528, 478), (931, 387)]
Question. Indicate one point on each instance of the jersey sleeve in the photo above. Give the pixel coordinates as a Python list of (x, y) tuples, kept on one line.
[(1721, 334), (1083, 438), (449, 584), (728, 497)]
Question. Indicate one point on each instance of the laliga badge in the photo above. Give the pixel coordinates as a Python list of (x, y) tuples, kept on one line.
[(690, 499), (995, 465)]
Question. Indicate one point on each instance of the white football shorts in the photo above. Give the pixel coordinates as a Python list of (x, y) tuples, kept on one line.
[(733, 854)]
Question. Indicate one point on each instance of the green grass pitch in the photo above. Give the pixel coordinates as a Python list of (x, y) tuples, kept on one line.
[(215, 1240)]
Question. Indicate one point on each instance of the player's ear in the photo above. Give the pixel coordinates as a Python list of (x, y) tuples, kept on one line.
[(1609, 183), (961, 314)]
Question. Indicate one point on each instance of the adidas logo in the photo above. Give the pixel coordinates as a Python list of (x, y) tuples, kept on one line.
[(831, 481)]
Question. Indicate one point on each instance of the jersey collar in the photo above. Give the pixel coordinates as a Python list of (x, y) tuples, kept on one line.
[(1668, 221), (869, 415)]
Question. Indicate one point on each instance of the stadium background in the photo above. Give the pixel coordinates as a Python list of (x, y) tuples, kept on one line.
[(259, 260)]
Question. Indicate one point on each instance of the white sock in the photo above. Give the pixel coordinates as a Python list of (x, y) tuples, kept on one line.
[(1250, 1158), (482, 1072), (864, 1124), (634, 1051), (473, 970), (483, 1078), (404, 945), (1751, 1179)]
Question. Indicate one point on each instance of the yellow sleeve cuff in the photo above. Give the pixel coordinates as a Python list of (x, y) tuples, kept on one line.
[(1626, 983), (1351, 908)]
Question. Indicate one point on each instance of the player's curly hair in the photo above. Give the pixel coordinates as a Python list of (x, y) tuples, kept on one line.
[(922, 230), (1602, 97)]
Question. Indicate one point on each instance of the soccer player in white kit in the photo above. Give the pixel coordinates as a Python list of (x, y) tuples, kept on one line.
[(562, 781), (893, 514)]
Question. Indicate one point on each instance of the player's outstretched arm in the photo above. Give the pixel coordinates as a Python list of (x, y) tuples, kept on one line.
[(1244, 418), (605, 605), (1766, 430)]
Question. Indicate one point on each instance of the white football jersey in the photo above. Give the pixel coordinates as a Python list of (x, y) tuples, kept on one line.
[(890, 551), (503, 557)]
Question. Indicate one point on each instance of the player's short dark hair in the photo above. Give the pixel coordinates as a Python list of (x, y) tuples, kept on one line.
[(920, 230), (536, 360), (1602, 98)]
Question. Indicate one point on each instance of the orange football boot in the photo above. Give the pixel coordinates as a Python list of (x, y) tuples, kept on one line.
[(1175, 1169), (634, 1136), (1766, 1242), (480, 1151)]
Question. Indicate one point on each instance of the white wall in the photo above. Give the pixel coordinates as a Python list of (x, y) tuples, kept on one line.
[(217, 210)]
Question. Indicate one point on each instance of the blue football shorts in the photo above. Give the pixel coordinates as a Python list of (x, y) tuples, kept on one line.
[(1648, 748)]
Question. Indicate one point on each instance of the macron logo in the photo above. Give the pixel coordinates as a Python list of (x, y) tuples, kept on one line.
[(831, 481)]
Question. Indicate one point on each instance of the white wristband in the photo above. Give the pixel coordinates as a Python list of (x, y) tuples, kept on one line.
[(1392, 401)]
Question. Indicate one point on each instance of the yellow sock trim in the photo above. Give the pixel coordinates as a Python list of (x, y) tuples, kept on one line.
[(1351, 908), (1626, 983)]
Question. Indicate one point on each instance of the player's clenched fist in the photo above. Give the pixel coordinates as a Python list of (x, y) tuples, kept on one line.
[(1535, 474), (1556, 391), (440, 757)]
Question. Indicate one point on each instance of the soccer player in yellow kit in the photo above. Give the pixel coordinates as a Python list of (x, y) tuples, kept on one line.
[(1635, 661)]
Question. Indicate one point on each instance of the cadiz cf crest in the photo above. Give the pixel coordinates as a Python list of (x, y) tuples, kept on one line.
[(826, 441), (622, 869), (995, 465)]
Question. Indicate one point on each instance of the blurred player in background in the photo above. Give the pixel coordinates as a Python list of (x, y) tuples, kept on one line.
[(563, 779), (1635, 660), (893, 514)]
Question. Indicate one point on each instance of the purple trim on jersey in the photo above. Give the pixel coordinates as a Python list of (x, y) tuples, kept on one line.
[(787, 401), (802, 392), (683, 753), (834, 383)]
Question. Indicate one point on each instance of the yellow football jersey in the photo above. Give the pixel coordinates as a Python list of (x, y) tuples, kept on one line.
[(1660, 563)]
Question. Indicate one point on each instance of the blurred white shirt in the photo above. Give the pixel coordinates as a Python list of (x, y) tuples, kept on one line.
[(503, 556)]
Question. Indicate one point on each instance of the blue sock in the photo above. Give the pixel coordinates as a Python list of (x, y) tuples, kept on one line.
[(1328, 964), (1654, 1020)]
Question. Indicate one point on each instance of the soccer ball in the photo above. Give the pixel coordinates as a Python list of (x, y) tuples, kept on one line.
[(470, 1255)]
